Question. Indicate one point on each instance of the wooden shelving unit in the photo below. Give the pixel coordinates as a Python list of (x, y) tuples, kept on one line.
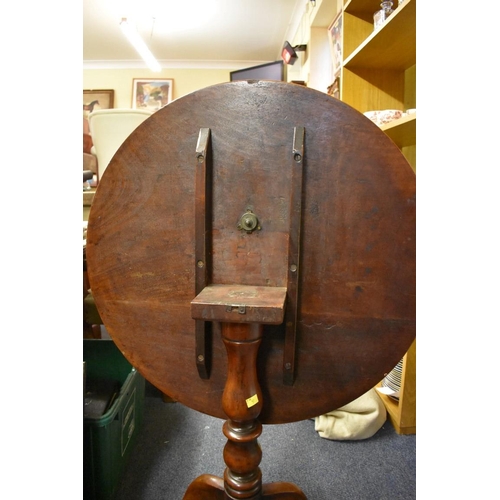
[(392, 47), (378, 72), (379, 67), (402, 131), (402, 413)]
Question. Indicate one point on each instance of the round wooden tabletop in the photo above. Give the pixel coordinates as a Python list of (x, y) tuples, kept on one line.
[(356, 215)]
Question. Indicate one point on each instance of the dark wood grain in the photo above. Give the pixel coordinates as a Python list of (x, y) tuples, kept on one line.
[(240, 304), (356, 297)]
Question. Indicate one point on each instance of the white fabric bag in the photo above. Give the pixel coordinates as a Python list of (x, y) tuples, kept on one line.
[(360, 419)]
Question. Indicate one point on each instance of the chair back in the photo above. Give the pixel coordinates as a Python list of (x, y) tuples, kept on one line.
[(109, 128)]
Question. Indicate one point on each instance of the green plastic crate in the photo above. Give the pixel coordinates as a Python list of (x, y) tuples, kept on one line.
[(113, 414)]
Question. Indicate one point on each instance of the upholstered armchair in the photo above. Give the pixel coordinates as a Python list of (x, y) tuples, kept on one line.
[(109, 128)]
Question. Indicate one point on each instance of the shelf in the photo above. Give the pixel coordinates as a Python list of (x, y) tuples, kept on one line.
[(402, 413), (391, 406), (363, 8), (391, 47), (402, 131), (393, 411)]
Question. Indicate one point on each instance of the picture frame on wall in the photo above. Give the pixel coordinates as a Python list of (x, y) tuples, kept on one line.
[(92, 101), (97, 99), (334, 88), (335, 37), (151, 93)]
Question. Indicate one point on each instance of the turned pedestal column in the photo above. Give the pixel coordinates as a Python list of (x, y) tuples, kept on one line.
[(242, 310)]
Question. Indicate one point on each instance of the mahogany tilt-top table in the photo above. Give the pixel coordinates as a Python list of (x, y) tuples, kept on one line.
[(251, 251)]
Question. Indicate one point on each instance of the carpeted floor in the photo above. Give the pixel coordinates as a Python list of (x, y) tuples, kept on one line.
[(177, 444)]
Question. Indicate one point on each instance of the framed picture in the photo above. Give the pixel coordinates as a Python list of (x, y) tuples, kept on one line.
[(151, 93), (97, 99), (92, 101), (335, 36), (334, 88)]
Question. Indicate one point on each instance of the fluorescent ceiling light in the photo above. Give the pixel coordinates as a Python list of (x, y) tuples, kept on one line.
[(138, 43), (170, 16)]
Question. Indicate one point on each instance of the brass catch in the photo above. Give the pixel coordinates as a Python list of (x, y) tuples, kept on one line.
[(248, 222)]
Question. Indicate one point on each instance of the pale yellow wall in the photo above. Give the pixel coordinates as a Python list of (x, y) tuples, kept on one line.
[(120, 80)]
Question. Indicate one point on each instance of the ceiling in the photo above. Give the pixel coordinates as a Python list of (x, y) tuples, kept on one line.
[(190, 31)]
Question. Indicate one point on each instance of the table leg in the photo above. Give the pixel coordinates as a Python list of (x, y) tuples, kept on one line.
[(242, 403)]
